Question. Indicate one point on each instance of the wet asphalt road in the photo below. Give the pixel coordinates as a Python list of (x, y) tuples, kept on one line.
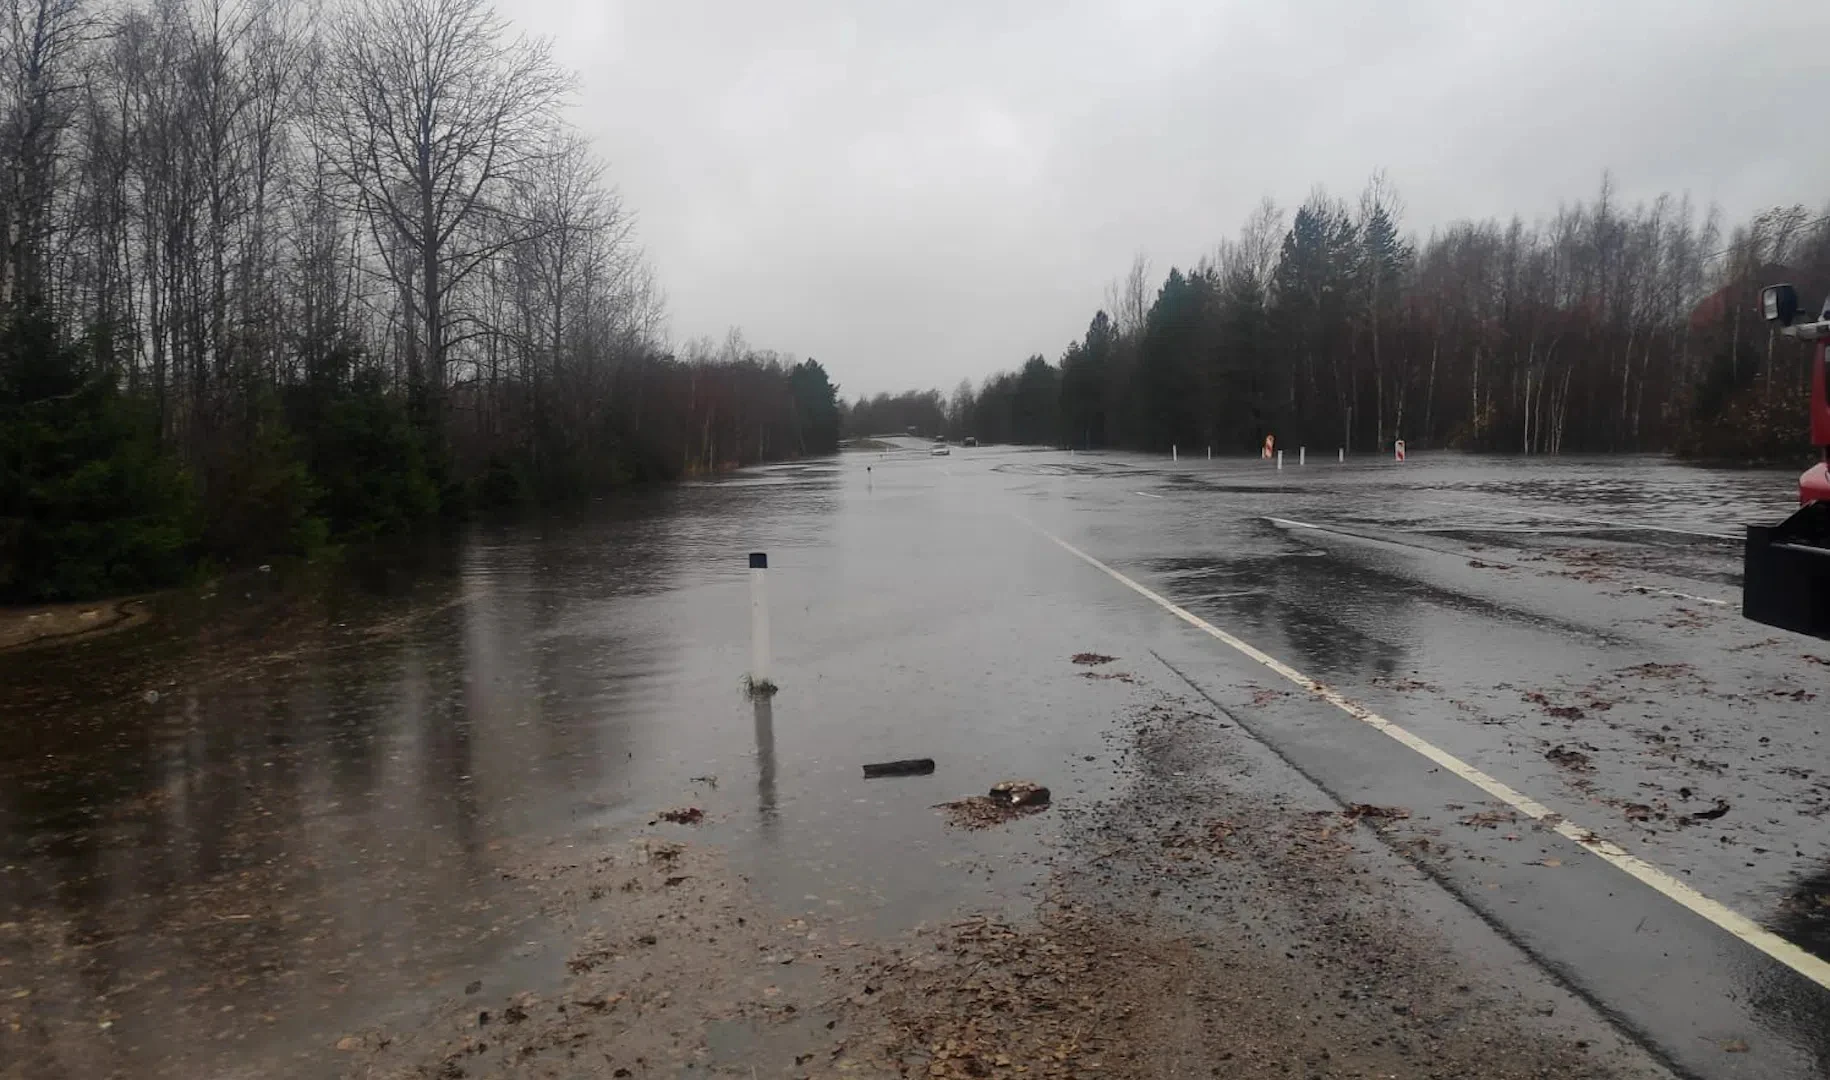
[(227, 833), (1515, 613)]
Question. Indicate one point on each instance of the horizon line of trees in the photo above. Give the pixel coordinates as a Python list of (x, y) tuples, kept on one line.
[(1607, 328), (273, 273)]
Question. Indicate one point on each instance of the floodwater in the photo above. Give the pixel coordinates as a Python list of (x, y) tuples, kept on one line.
[(292, 803)]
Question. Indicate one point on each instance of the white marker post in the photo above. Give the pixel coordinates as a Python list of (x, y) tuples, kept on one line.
[(760, 681), (1280, 461), (1210, 453), (1343, 455), (1173, 455), (1302, 455)]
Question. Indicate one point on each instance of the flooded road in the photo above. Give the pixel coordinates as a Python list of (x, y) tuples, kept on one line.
[(292, 809)]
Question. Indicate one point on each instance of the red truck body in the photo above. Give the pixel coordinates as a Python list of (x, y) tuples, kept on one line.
[(1814, 485), (1785, 579)]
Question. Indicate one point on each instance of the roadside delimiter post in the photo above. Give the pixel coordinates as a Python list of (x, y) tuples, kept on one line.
[(760, 680)]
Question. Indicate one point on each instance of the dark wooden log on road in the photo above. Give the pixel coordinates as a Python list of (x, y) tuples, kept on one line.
[(911, 767)]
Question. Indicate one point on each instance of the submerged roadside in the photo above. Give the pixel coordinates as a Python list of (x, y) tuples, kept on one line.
[(46, 624), (416, 829), (1211, 916)]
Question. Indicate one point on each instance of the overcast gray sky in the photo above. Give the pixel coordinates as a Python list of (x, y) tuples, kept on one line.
[(919, 192)]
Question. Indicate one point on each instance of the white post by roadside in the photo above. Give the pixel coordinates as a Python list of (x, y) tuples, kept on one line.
[(1280, 461), (1302, 455), (1173, 454), (1343, 458), (761, 681)]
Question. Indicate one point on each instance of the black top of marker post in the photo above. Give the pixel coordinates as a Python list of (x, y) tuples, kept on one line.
[(759, 560)]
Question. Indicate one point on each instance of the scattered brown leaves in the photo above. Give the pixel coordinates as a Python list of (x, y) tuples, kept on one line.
[(588, 960), (660, 853), (1262, 697), (684, 815), (1563, 756), (1093, 659), (1407, 685), (1562, 712), (999, 1000), (1319, 834), (984, 811), (1490, 819)]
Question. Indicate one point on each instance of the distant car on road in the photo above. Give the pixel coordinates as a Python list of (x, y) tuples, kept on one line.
[(940, 450), (970, 441)]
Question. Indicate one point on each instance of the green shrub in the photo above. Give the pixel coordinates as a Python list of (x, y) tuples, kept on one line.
[(260, 499), (369, 464), (90, 502), (502, 485)]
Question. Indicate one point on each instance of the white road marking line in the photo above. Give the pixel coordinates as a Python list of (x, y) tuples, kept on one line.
[(1523, 530), (1724, 917), (1146, 495), (1681, 595), (1636, 526), (1492, 562)]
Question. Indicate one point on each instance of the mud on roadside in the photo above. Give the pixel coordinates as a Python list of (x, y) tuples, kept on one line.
[(1191, 927), (48, 624)]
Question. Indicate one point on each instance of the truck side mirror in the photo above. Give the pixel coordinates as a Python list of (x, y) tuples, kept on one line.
[(1780, 302)]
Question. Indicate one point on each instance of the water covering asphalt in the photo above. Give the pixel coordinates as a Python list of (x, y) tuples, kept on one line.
[(286, 803)]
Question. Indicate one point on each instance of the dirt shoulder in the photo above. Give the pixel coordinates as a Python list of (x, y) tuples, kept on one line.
[(23, 627), (1191, 927)]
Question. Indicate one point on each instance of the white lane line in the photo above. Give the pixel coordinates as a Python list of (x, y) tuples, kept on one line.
[(1631, 525), (1493, 562), (1724, 917), (1680, 595), (1475, 526), (1146, 495)]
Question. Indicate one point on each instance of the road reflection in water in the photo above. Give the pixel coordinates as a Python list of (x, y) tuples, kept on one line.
[(286, 801), (767, 817), (289, 808)]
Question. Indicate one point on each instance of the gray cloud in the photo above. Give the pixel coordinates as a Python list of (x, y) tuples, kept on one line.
[(920, 192)]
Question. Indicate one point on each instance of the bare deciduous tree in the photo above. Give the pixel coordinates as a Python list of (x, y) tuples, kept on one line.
[(40, 84), (433, 113)]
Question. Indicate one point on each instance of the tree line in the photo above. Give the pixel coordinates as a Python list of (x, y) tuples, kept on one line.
[(1607, 328), (272, 275)]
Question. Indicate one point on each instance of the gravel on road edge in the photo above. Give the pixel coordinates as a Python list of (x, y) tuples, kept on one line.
[(1190, 927)]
